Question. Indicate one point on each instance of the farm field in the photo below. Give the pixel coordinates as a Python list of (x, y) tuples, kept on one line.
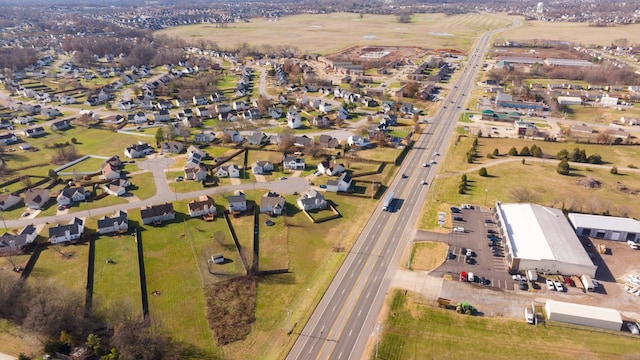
[(579, 33), (328, 33), (421, 331)]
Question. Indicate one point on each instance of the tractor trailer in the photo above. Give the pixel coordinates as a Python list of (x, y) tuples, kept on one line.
[(386, 204)]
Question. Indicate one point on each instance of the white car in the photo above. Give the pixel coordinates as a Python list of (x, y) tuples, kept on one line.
[(550, 285), (458, 229), (518, 277), (558, 285), (633, 328), (469, 253), (425, 165), (423, 182)]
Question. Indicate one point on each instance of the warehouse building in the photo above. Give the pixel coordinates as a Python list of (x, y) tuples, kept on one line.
[(606, 227), (540, 238), (586, 315)]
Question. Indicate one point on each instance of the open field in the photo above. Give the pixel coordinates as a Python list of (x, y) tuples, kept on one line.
[(329, 33), (64, 265), (579, 33), (420, 331)]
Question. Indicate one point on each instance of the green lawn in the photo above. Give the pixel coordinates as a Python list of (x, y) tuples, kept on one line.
[(117, 285), (69, 271), (415, 330)]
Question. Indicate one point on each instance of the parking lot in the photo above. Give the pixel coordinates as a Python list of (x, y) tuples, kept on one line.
[(470, 232), (501, 295)]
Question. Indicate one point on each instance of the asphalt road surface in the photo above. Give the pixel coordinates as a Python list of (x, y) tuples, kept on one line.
[(340, 326)]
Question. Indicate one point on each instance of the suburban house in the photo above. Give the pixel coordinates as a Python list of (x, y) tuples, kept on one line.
[(272, 203), (60, 125), (8, 139), (193, 152), (138, 150), (321, 122), (15, 242), (70, 195), (311, 200), (7, 201), (359, 141), (116, 187), (328, 141), (203, 112), (237, 202), (172, 147), (162, 115), (261, 167), (204, 137), (35, 132), (195, 171), (342, 184), (68, 232), (233, 136), (231, 171), (293, 162), (204, 206), (36, 198), (118, 223), (156, 214), (302, 141), (330, 168), (257, 138), (108, 172), (294, 120)]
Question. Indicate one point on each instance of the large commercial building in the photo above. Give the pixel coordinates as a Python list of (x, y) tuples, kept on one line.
[(606, 227), (540, 238), (579, 314)]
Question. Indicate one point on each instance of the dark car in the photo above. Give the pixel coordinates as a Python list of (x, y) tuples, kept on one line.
[(269, 223), (404, 176), (491, 231), (522, 285), (458, 218), (492, 237), (488, 221), (455, 210)]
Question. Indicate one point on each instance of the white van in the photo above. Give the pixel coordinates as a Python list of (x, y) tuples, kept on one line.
[(633, 244), (471, 277)]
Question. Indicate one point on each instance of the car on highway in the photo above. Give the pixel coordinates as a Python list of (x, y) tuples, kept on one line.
[(423, 182), (404, 176), (550, 285), (425, 165), (433, 161)]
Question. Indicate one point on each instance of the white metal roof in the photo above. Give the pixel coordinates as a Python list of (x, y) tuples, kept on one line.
[(604, 223), (584, 311), (541, 233)]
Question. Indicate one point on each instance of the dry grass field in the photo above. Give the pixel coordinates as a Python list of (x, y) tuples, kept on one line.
[(328, 33), (579, 33)]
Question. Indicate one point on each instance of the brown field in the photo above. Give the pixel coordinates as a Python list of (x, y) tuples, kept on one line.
[(579, 33), (329, 33)]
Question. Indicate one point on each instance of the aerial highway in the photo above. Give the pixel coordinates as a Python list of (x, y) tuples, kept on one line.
[(346, 316)]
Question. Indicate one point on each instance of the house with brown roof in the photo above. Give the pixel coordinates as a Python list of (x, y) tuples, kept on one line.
[(204, 206), (7, 201), (156, 214), (36, 198), (272, 203)]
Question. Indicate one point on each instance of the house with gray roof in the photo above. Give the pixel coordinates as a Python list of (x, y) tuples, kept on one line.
[(312, 200), (68, 232), (10, 243), (156, 214), (272, 203), (118, 223)]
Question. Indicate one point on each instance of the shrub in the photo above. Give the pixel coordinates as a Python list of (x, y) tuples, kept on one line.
[(563, 167), (614, 170), (496, 152), (513, 152), (482, 172)]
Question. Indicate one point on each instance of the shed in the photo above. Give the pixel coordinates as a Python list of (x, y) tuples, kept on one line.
[(586, 315)]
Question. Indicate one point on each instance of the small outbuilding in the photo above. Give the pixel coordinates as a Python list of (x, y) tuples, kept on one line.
[(586, 315)]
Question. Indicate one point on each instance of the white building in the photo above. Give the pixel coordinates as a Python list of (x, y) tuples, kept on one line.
[(541, 239), (605, 227), (586, 315), (569, 100)]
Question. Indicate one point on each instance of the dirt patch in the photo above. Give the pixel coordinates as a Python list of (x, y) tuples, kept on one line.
[(375, 55), (589, 183), (231, 308)]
